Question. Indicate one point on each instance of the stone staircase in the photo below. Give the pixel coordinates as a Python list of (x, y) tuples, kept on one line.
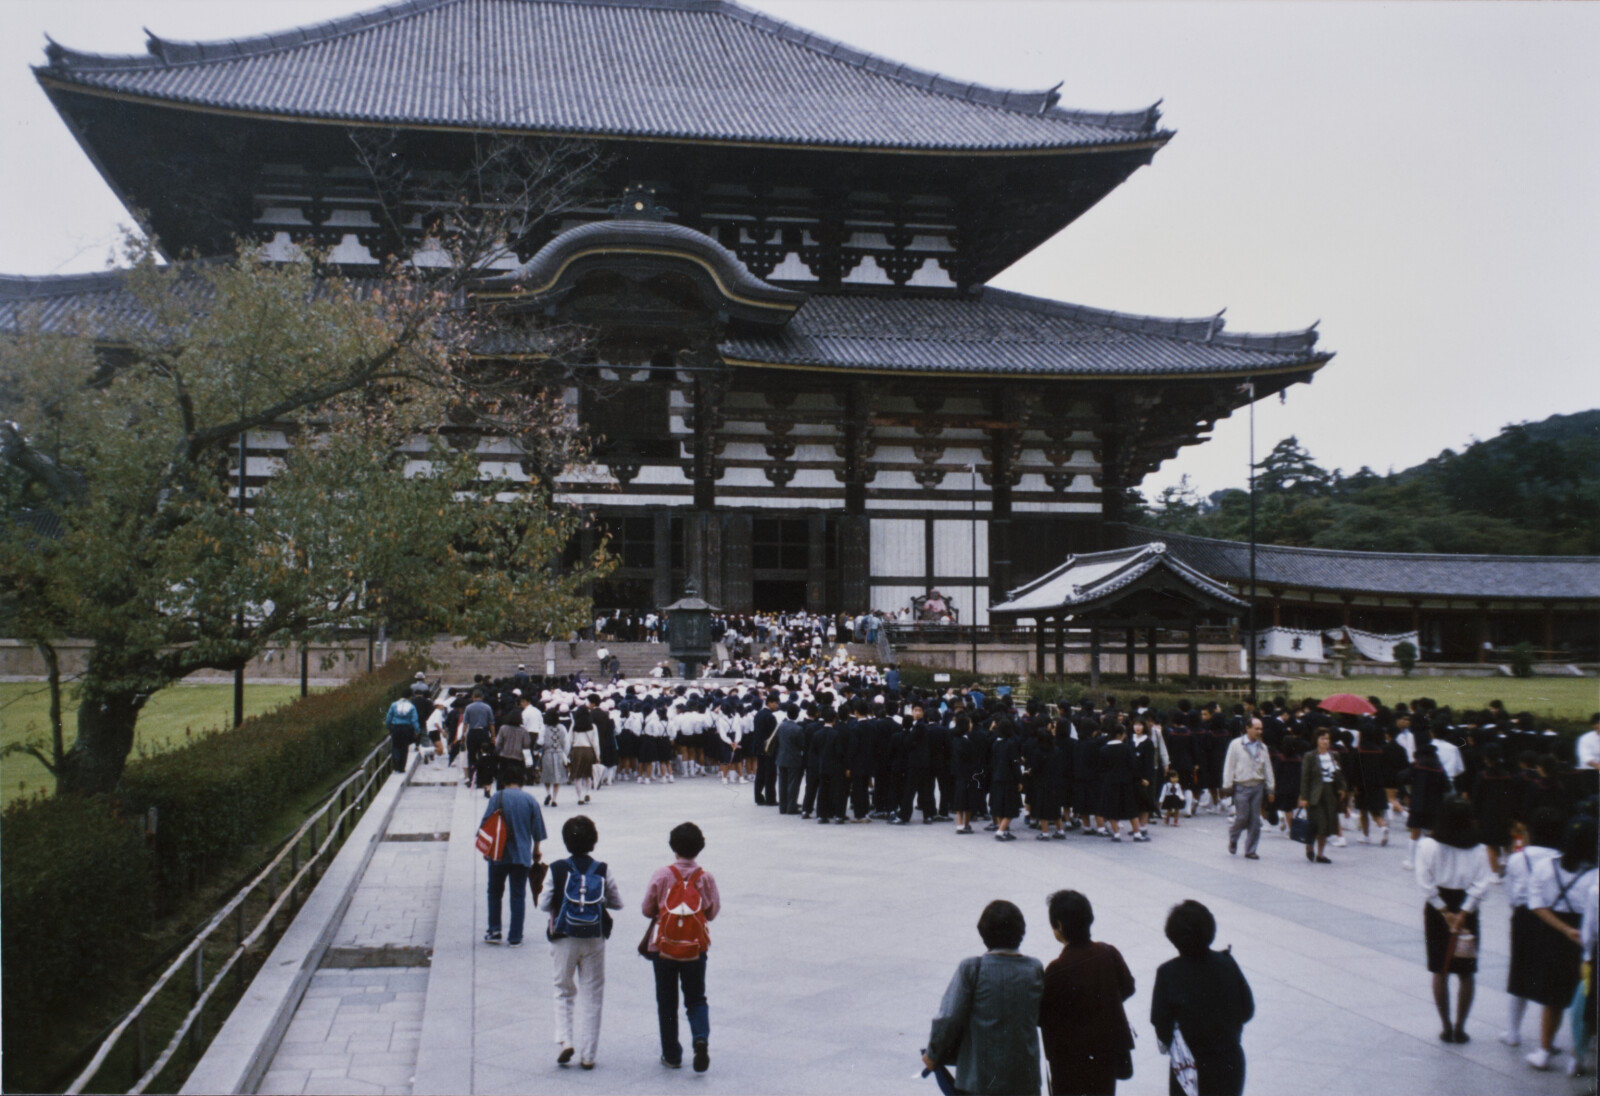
[(461, 663)]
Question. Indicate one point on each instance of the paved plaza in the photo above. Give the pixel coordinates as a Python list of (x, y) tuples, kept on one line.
[(837, 942)]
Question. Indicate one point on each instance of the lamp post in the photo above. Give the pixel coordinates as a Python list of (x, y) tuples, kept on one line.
[(1253, 642), (238, 675), (973, 469), (689, 629)]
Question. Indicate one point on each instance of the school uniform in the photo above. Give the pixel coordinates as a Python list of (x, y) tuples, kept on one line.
[(1453, 880), (1555, 958), (1525, 975), (1118, 777), (919, 773), (1005, 767)]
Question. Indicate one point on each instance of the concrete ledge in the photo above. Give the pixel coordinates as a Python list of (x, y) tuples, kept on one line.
[(238, 1057), (444, 1052)]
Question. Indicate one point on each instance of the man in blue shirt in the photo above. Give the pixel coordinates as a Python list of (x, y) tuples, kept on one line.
[(404, 728), (524, 830)]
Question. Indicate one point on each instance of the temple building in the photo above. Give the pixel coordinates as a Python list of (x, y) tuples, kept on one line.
[(804, 392)]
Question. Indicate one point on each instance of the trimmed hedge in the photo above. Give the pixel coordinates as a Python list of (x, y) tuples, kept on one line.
[(76, 885), (213, 797), (79, 880)]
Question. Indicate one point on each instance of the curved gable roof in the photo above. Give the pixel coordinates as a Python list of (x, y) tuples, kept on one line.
[(686, 69)]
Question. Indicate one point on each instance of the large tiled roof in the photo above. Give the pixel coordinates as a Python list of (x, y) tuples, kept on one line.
[(1004, 333), (1086, 581), (988, 332), (686, 69), (1402, 574), (96, 305)]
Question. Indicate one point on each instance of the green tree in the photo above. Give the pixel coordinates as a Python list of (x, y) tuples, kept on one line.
[(1289, 470), (370, 520)]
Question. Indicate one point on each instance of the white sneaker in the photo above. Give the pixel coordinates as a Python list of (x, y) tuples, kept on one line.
[(1406, 865), (1511, 1038), (1384, 839), (1573, 1067), (1539, 1059), (644, 780), (724, 778), (669, 778)]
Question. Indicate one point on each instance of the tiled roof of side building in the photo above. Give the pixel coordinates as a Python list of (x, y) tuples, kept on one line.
[(706, 70), (1400, 574), (1004, 333)]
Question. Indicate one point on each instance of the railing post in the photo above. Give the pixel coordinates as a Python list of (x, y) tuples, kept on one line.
[(294, 875), (238, 943), (139, 1062), (197, 1032), (344, 795)]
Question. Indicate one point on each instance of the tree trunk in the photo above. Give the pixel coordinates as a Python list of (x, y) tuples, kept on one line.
[(105, 738), (57, 735)]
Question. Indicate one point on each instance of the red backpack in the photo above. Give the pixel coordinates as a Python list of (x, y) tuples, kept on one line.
[(681, 925)]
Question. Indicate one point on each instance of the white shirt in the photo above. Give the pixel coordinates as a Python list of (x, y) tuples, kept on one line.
[(1589, 750), (1591, 923), (1454, 869), (1407, 742), (1560, 891), (533, 723), (1449, 758), (1519, 871)]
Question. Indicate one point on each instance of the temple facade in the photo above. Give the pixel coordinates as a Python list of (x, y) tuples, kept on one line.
[(803, 392)]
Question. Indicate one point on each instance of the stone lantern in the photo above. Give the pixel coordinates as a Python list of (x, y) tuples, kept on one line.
[(689, 629)]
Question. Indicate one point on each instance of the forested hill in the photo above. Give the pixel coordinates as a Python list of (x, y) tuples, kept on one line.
[(1534, 489)]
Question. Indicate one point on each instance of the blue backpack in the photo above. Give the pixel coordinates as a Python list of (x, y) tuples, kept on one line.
[(583, 896)]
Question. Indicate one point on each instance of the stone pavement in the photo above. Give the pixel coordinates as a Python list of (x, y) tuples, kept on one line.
[(838, 941)]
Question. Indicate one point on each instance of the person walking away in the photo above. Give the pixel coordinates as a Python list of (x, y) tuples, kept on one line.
[(988, 1021), (524, 830), (1429, 786), (1005, 786), (553, 757), (1248, 779), (1322, 790), (511, 749), (1556, 894), (1085, 1030), (1203, 996), (581, 891), (479, 719), (1524, 976), (1453, 872), (584, 753), (681, 899), (404, 729)]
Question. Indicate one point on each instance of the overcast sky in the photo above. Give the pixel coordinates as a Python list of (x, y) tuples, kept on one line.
[(1421, 177)]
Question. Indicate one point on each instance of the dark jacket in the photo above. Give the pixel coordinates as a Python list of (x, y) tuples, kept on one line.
[(1312, 787), (791, 745)]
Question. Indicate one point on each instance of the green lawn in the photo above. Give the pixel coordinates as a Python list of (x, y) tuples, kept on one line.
[(172, 716), (1557, 697)]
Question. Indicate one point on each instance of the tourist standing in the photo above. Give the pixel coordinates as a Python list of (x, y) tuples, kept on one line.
[(1453, 871), (1203, 995), (1087, 1040), (1248, 778), (988, 1020), (581, 891), (524, 830), (790, 760), (681, 898), (1525, 976), (1556, 894)]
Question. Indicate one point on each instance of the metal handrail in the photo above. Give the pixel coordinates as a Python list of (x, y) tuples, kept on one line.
[(195, 953)]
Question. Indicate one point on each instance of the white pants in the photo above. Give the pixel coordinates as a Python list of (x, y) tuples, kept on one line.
[(579, 965)]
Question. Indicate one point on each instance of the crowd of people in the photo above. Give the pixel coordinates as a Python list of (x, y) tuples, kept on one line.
[(1475, 799)]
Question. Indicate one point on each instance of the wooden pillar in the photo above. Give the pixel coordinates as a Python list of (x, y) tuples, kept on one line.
[(662, 575), (1132, 657), (1194, 652), (855, 561), (1483, 632), (1150, 652), (1094, 656), (817, 563), (1061, 646), (737, 577), (1038, 646), (1549, 628), (1346, 607), (1277, 610), (999, 518)]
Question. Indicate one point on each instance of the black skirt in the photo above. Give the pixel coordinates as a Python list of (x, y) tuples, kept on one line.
[(1437, 934), (1555, 961), (1118, 802), (1522, 980)]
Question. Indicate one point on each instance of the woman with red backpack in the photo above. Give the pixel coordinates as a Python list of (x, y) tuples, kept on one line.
[(681, 899)]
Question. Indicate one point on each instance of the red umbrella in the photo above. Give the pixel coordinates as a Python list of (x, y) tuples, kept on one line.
[(1347, 704)]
